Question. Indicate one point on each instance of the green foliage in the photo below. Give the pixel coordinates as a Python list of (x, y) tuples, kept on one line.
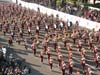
[(72, 0), (97, 5)]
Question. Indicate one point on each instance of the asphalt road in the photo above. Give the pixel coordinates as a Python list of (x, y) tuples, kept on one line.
[(39, 68)]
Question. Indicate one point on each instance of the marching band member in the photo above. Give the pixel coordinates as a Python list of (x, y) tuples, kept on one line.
[(50, 63), (12, 35), (63, 68), (59, 58), (90, 42), (65, 30), (70, 66), (79, 45), (37, 38), (48, 52), (64, 39), (58, 48), (1, 26), (46, 28), (88, 71), (54, 42), (69, 47), (51, 22), (18, 38), (21, 32), (76, 25), (10, 41), (98, 38), (57, 20), (4, 29), (94, 49), (83, 62), (29, 31), (79, 34), (26, 43), (83, 51), (92, 33), (34, 46), (85, 35), (61, 25), (37, 29), (54, 26), (44, 43), (69, 54), (41, 55), (96, 35), (96, 60), (73, 36), (47, 37)]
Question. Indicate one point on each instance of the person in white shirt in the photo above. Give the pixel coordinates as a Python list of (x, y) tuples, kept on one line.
[(4, 51)]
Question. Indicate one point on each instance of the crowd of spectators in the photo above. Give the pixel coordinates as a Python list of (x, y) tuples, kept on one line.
[(20, 22), (10, 65), (71, 8)]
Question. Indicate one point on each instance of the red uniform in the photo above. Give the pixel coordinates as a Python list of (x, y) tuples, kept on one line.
[(29, 31), (50, 63), (65, 41), (69, 55), (79, 45), (90, 42), (37, 30), (58, 48), (55, 43), (41, 56), (33, 48), (84, 37), (83, 63), (88, 71), (55, 26), (21, 33), (70, 67), (61, 25), (44, 43), (48, 53), (96, 59), (83, 52), (95, 49), (26, 43), (63, 68), (46, 28), (4, 30), (12, 35), (59, 59), (69, 48), (73, 37)]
